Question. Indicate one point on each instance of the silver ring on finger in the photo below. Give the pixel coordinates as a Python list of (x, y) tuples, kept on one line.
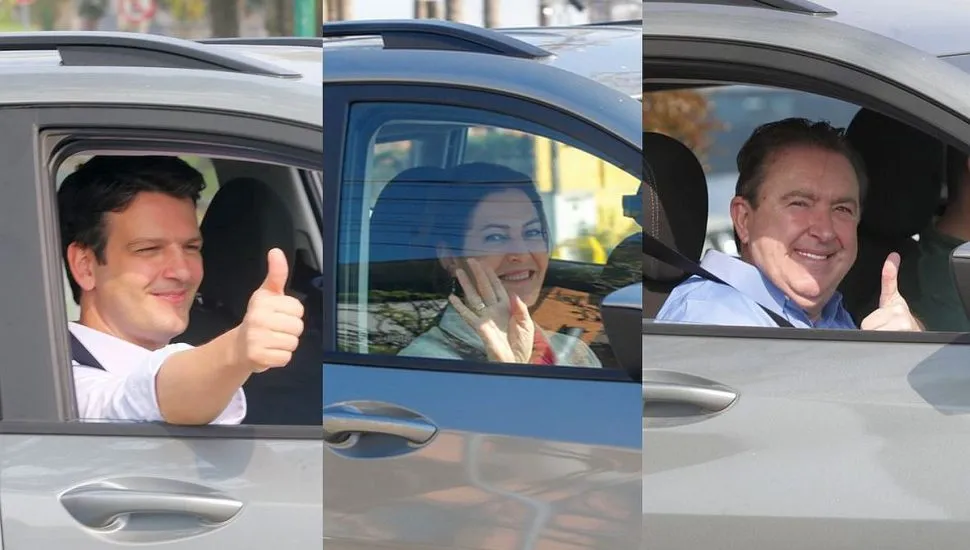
[(480, 308)]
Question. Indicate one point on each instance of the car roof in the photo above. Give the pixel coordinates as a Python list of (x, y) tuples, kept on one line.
[(265, 78), (938, 27), (606, 53)]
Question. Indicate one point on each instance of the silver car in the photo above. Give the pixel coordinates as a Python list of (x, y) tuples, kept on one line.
[(797, 438), (248, 115)]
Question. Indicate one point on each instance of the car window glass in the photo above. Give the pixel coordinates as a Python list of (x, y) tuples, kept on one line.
[(402, 233)]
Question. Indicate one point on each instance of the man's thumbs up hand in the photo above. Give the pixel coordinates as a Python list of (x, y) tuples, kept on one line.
[(271, 329), (893, 312), (277, 272)]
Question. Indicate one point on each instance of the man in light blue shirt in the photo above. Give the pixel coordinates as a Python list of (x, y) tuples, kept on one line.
[(795, 215)]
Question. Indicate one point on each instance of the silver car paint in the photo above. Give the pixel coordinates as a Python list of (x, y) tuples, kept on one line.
[(279, 482), (835, 445)]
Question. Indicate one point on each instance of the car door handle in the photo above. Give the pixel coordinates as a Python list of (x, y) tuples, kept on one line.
[(102, 507), (340, 422), (703, 397)]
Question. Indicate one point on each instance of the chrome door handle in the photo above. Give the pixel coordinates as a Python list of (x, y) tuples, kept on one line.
[(703, 397), (101, 507), (342, 421)]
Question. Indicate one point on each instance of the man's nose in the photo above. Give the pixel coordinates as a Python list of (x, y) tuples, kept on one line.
[(178, 265), (822, 226)]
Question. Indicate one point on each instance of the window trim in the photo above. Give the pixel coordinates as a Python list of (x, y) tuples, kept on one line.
[(52, 410), (340, 97)]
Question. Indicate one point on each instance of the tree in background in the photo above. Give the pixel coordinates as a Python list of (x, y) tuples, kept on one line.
[(684, 115), (224, 17), (91, 12)]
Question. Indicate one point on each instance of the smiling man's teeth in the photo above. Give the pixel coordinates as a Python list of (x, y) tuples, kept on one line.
[(813, 256)]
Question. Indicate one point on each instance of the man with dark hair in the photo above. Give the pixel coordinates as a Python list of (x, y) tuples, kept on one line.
[(937, 304), (795, 214), (132, 249)]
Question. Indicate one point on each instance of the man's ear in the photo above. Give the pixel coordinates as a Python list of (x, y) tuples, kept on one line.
[(81, 262), (741, 216)]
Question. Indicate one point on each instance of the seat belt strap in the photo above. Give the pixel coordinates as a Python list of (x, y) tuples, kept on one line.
[(658, 250), (81, 354)]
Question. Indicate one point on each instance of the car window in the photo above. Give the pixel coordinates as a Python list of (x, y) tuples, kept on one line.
[(906, 198), (236, 240), (405, 229)]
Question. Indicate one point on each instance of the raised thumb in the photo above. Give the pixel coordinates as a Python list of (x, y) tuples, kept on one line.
[(890, 279), (277, 272)]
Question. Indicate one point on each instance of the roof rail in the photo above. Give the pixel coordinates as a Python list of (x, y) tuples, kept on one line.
[(124, 49), (617, 23), (800, 6), (794, 6), (433, 34), (301, 41)]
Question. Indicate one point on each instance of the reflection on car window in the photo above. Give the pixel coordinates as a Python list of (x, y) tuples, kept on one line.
[(457, 218)]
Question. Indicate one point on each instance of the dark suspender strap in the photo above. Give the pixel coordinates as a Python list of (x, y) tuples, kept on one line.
[(81, 354), (658, 250)]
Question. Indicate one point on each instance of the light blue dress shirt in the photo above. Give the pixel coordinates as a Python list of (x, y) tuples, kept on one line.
[(698, 300)]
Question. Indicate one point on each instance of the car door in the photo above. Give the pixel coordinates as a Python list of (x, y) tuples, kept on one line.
[(65, 483), (800, 438), (433, 452)]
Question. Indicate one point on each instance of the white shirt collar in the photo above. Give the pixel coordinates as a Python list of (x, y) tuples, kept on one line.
[(115, 355)]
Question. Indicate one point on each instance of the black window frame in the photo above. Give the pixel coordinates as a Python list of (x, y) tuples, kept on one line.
[(339, 97)]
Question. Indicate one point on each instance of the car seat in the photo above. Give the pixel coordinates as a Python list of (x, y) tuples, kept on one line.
[(402, 293), (906, 172), (675, 213), (245, 219)]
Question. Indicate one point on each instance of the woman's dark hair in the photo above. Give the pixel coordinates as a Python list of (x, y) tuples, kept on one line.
[(450, 211), (109, 184)]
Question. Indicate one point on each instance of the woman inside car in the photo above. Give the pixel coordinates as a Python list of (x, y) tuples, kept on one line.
[(491, 239)]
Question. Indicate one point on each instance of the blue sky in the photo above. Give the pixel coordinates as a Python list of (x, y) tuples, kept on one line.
[(512, 13)]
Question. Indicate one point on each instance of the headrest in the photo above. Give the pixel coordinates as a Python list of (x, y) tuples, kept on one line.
[(400, 258), (905, 171), (675, 202), (244, 221), (398, 220)]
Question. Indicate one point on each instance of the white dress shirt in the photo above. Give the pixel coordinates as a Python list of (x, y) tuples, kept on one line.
[(125, 390)]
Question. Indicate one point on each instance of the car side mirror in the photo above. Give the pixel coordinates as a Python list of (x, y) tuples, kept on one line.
[(960, 270), (622, 312)]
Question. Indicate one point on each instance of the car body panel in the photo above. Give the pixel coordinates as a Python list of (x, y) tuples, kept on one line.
[(256, 96), (607, 108), (829, 445), (279, 483), (518, 462)]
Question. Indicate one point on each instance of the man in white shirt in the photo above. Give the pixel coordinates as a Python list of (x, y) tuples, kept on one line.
[(132, 248)]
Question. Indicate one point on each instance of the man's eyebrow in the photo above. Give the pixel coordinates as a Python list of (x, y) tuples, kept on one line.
[(160, 240), (801, 194)]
